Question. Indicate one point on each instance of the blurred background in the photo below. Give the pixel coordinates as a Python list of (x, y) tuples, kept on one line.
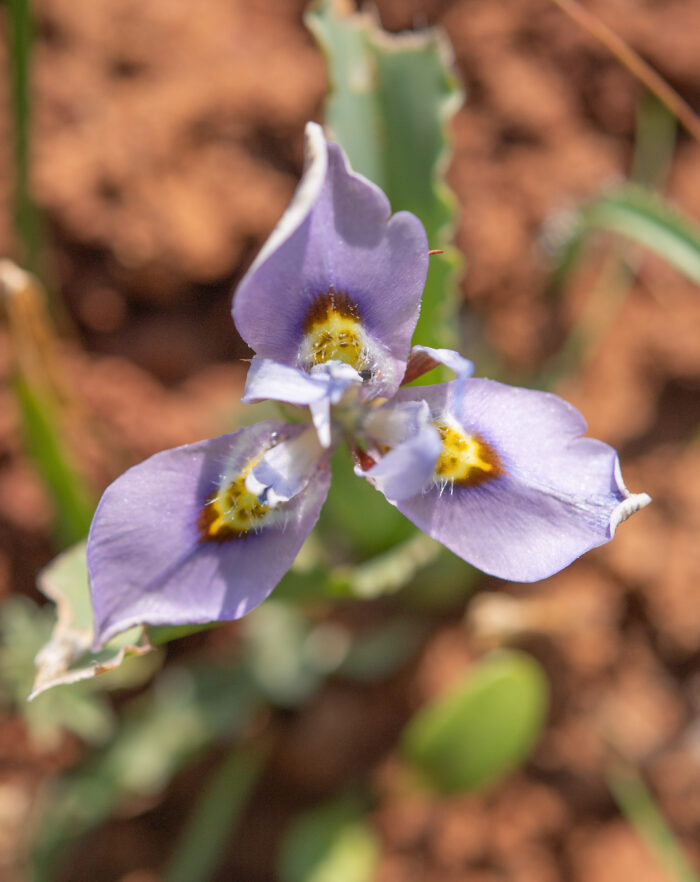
[(165, 139)]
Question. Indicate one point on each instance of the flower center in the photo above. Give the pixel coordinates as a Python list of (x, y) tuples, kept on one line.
[(233, 511), (333, 331), (465, 459)]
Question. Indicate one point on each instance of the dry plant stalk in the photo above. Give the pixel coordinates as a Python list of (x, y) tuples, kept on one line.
[(634, 63)]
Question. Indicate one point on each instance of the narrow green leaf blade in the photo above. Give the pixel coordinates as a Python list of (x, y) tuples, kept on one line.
[(485, 727), (639, 807), (44, 400), (652, 222), (644, 218), (71, 494), (214, 817)]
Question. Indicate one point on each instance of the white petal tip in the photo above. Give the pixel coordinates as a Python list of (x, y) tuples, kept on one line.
[(633, 503)]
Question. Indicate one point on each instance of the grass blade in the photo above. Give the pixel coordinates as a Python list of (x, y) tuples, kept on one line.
[(637, 804), (213, 820)]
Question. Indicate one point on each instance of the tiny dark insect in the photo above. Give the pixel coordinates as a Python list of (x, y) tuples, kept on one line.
[(366, 375)]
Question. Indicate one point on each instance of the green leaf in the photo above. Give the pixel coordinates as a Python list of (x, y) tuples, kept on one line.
[(644, 218), (23, 628), (381, 651), (70, 492), (276, 639), (68, 657), (184, 711), (330, 844), (391, 99), (483, 728)]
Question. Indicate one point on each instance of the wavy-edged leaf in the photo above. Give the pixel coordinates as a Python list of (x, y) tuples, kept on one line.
[(391, 99), (82, 710), (68, 657)]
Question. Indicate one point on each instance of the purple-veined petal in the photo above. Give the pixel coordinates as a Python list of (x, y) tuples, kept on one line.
[(286, 469), (551, 495), (154, 556), (338, 241), (407, 469)]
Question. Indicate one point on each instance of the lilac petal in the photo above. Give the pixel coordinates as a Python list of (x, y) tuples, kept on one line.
[(556, 495), (325, 385), (393, 423), (269, 380), (407, 469), (321, 418), (337, 379), (337, 235), (286, 469), (147, 560)]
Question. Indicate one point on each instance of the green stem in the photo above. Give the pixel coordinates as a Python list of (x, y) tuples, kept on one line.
[(637, 804), (27, 222), (211, 824)]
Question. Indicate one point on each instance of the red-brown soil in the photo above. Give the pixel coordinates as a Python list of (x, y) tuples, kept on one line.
[(167, 141)]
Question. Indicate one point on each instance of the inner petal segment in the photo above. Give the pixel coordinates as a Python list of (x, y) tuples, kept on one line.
[(233, 511), (465, 459)]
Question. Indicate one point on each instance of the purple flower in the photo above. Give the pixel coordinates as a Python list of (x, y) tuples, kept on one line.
[(179, 539), (340, 278), (500, 475)]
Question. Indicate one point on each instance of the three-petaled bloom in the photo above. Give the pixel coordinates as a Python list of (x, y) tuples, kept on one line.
[(499, 475)]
